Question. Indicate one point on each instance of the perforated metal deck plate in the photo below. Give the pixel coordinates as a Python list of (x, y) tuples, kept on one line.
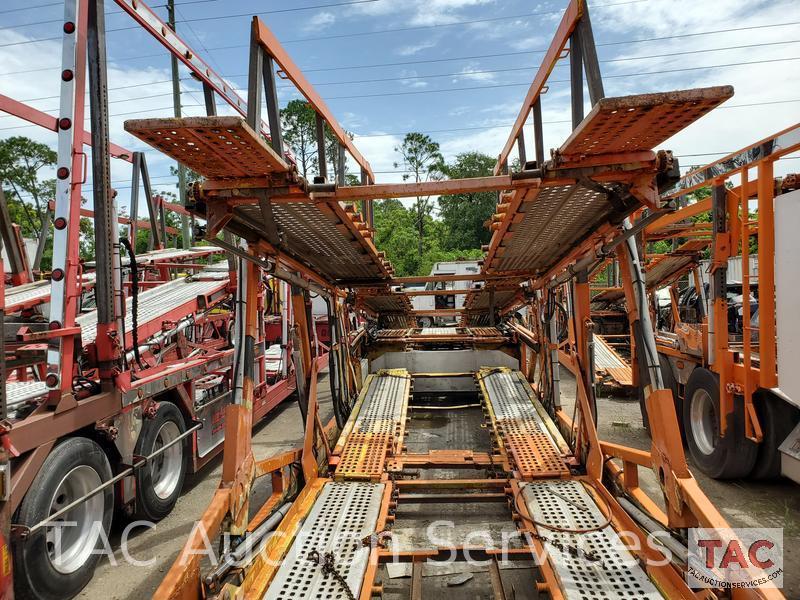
[(641, 122), (214, 147), (38, 292), (439, 331), (663, 268), (375, 428), (343, 514), (567, 504), (550, 223), (158, 301), (519, 425), (606, 359), (18, 392), (319, 236)]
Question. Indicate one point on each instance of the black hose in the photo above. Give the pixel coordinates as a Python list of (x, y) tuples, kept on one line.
[(134, 300), (333, 367)]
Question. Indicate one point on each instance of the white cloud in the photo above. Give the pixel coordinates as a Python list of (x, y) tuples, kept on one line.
[(412, 49), (407, 79), (320, 21), (473, 72)]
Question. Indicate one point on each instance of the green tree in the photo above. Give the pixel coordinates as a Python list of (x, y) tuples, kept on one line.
[(21, 163), (423, 161), (465, 215), (396, 234), (300, 134)]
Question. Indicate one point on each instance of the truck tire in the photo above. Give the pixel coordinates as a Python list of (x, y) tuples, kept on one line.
[(778, 419), (57, 563), (728, 457), (160, 481)]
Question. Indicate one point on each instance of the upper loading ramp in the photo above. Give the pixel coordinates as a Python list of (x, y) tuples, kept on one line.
[(539, 225), (321, 235)]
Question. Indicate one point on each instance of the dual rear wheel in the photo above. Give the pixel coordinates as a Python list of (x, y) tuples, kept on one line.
[(58, 560)]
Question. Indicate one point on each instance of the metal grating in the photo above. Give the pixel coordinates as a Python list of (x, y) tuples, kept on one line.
[(393, 334), (214, 147), (364, 455), (318, 238), (25, 295), (440, 331), (641, 122), (376, 427), (388, 303), (38, 292), (617, 575), (485, 331), (159, 301), (18, 392), (343, 514), (663, 268), (519, 425), (606, 359), (552, 221), (609, 295)]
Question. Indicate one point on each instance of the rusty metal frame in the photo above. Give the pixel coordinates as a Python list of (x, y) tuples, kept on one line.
[(289, 70)]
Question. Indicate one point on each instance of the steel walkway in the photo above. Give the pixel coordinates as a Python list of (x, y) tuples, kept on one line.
[(175, 299), (342, 516), (519, 426), (603, 567), (375, 427)]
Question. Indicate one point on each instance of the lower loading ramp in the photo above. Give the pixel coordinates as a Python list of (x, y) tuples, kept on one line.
[(343, 515), (604, 567), (375, 428), (519, 426)]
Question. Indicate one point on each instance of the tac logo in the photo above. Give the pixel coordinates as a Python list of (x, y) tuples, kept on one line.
[(735, 558)]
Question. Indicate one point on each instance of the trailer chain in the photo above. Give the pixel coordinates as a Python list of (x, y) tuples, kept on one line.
[(570, 549), (328, 564)]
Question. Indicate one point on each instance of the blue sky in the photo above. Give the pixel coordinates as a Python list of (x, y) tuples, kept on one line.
[(444, 45)]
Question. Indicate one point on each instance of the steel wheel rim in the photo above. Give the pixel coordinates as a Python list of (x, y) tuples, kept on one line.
[(72, 540), (705, 424), (165, 470)]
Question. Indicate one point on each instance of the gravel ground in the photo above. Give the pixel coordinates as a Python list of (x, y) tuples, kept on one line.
[(743, 503)]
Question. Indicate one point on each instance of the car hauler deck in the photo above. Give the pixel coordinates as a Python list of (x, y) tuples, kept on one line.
[(517, 466), (118, 377), (730, 373)]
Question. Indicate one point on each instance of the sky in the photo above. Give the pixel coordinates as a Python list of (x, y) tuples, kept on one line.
[(455, 69)]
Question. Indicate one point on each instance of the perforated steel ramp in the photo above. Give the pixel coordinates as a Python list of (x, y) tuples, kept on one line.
[(343, 515), (617, 575), (440, 331), (606, 359), (214, 147), (377, 428), (519, 426), (19, 392), (178, 298), (641, 122), (35, 293), (320, 234), (663, 269), (547, 223)]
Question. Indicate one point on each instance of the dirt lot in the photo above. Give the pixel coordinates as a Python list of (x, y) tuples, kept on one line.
[(742, 503)]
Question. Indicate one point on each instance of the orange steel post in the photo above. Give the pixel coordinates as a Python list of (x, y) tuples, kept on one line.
[(721, 359), (752, 427), (568, 23), (766, 274)]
